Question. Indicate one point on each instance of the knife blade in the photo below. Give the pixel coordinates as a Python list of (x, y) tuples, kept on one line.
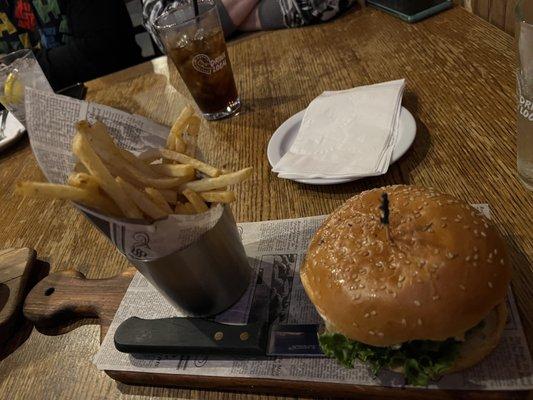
[(200, 336)]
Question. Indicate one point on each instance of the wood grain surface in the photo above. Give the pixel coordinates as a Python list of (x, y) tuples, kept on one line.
[(500, 13), (460, 88), (15, 268)]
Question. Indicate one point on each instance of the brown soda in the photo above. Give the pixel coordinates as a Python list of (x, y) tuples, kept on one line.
[(205, 68)]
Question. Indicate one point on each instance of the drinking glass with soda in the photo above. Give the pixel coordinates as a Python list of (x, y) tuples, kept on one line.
[(194, 41)]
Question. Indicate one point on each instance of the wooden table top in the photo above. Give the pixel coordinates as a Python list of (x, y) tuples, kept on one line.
[(460, 88)]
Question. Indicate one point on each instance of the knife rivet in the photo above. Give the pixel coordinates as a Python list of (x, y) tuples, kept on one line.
[(218, 336), (244, 336)]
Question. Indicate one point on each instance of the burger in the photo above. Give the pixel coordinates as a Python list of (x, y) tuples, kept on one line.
[(410, 280)]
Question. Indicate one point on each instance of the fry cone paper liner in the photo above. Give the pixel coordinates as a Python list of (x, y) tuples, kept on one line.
[(51, 123)]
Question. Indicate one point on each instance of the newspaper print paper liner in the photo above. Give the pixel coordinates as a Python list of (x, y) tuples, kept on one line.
[(276, 250), (51, 120)]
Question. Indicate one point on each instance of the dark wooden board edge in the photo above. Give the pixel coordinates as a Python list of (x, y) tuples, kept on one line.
[(96, 301), (304, 388)]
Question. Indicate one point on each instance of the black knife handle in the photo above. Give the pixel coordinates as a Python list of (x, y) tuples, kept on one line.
[(190, 335)]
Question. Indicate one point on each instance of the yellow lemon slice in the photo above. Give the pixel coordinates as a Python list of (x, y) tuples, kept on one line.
[(13, 89)]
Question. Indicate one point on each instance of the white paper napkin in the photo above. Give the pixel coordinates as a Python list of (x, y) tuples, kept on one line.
[(346, 134)]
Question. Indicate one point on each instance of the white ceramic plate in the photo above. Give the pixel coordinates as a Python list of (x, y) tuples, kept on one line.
[(14, 130), (282, 139)]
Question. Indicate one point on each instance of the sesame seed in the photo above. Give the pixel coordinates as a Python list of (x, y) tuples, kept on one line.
[(489, 260), (404, 322), (467, 258), (475, 264), (367, 315), (483, 234), (476, 256), (466, 226), (462, 287), (444, 218), (380, 334), (490, 284), (436, 251), (419, 321), (361, 286), (417, 303), (383, 287), (373, 312), (399, 285), (475, 232), (371, 333), (450, 255), (355, 324), (495, 251), (443, 225), (357, 296), (401, 278), (422, 263), (475, 249), (502, 261), (394, 294), (436, 297)]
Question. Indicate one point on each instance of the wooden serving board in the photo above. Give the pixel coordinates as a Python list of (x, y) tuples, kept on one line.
[(64, 300)]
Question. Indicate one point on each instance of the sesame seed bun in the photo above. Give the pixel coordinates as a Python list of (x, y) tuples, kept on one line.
[(436, 270)]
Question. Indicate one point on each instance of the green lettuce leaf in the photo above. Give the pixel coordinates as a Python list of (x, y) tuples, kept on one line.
[(422, 360)]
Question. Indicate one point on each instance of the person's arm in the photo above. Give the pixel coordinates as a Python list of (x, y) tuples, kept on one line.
[(232, 13), (279, 14)]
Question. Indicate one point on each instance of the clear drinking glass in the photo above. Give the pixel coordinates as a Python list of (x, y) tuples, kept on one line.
[(197, 47), (18, 70), (524, 35)]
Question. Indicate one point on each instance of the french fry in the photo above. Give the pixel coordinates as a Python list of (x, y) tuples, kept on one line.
[(86, 154), (54, 191), (159, 199), (83, 180), (79, 167), (141, 181), (174, 170), (181, 158), (140, 165), (106, 148), (186, 209), (118, 166), (208, 184), (178, 126), (193, 125), (218, 196), (197, 202), (171, 196), (142, 200), (179, 145)]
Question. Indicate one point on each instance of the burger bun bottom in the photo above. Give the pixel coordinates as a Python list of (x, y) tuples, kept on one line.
[(480, 342)]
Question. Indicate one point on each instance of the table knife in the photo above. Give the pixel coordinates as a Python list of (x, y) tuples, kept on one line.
[(200, 336)]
